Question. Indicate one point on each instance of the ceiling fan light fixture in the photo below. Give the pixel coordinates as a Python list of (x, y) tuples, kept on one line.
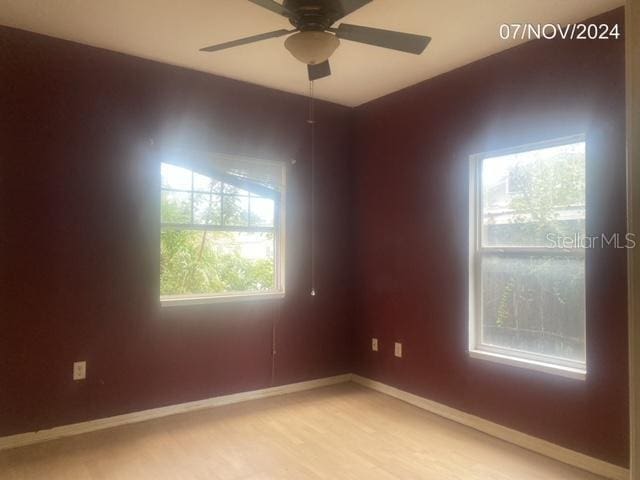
[(312, 47)]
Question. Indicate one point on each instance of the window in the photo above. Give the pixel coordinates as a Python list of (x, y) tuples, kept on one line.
[(221, 231), (527, 267)]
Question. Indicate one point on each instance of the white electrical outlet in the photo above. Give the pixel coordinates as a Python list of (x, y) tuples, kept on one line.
[(79, 370), (398, 350), (374, 344)]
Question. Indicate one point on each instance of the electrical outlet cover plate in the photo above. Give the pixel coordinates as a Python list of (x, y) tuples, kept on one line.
[(398, 350), (79, 370), (374, 344)]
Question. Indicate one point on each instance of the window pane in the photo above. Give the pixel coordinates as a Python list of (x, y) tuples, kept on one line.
[(175, 207), (262, 212), (226, 188), (205, 184), (197, 262), (235, 210), (534, 304), (173, 177), (206, 209), (532, 198)]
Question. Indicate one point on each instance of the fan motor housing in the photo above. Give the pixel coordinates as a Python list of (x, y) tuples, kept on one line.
[(309, 15)]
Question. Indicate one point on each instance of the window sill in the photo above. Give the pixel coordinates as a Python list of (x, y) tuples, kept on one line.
[(178, 301), (559, 370)]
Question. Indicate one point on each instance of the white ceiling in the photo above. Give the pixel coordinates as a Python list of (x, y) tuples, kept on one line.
[(172, 31)]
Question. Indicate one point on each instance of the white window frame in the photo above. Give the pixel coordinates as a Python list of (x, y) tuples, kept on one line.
[(503, 355), (279, 230)]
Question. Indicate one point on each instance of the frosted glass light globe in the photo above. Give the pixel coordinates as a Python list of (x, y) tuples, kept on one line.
[(312, 47)]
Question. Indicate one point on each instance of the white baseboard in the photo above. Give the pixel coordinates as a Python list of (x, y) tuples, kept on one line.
[(576, 459), (543, 447), (29, 438)]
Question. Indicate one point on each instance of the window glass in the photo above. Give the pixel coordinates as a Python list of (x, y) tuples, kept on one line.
[(529, 196), (176, 207), (207, 209), (534, 304), (175, 178), (262, 211), (195, 262), (528, 289), (235, 210), (216, 238), (205, 184)]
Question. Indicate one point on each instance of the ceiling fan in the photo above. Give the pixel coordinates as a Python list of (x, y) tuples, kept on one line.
[(314, 39)]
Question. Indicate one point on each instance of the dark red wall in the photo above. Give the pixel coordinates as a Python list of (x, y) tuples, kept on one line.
[(79, 236), (411, 231)]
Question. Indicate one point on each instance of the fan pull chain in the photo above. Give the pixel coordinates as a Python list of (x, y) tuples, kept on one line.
[(312, 122)]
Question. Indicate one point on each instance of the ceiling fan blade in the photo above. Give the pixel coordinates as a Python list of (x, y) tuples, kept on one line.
[(321, 70), (345, 7), (244, 41), (273, 6), (404, 42)]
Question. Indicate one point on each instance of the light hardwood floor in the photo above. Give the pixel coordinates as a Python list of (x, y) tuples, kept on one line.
[(339, 432)]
